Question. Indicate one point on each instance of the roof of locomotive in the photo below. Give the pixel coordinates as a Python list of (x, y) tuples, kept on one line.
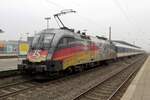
[(57, 31), (66, 32), (60, 32)]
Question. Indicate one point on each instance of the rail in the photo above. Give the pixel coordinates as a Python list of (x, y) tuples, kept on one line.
[(85, 93)]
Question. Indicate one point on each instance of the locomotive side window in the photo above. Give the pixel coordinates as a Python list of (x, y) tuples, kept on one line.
[(66, 42), (62, 43), (71, 41)]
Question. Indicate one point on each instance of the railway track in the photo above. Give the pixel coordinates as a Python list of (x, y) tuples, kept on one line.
[(15, 88), (66, 88), (109, 87)]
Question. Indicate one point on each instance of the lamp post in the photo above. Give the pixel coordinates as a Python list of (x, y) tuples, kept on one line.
[(19, 41), (47, 19)]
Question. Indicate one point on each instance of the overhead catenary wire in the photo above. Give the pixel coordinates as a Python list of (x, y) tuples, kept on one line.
[(55, 4), (87, 19), (128, 18), (62, 7)]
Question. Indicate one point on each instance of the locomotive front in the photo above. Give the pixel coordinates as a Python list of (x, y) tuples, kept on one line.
[(39, 57)]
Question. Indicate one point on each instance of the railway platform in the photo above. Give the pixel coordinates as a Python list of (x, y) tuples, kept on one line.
[(139, 89), (9, 64), (8, 55)]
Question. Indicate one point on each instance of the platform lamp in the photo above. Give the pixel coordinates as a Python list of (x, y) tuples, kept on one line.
[(47, 19)]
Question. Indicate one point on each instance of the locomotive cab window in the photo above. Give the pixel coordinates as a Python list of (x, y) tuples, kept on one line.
[(47, 40), (42, 40), (35, 41)]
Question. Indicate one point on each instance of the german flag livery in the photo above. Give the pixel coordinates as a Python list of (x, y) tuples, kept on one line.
[(76, 55)]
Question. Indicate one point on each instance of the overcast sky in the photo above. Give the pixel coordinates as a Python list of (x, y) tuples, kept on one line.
[(129, 19)]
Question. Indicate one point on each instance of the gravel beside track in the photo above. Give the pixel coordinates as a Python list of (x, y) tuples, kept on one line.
[(72, 86), (16, 87), (9, 80)]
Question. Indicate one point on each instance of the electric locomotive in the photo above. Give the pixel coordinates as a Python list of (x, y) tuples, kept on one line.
[(59, 49), (54, 50)]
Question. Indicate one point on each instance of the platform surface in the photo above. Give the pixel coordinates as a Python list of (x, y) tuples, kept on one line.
[(9, 64), (8, 54), (139, 89)]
